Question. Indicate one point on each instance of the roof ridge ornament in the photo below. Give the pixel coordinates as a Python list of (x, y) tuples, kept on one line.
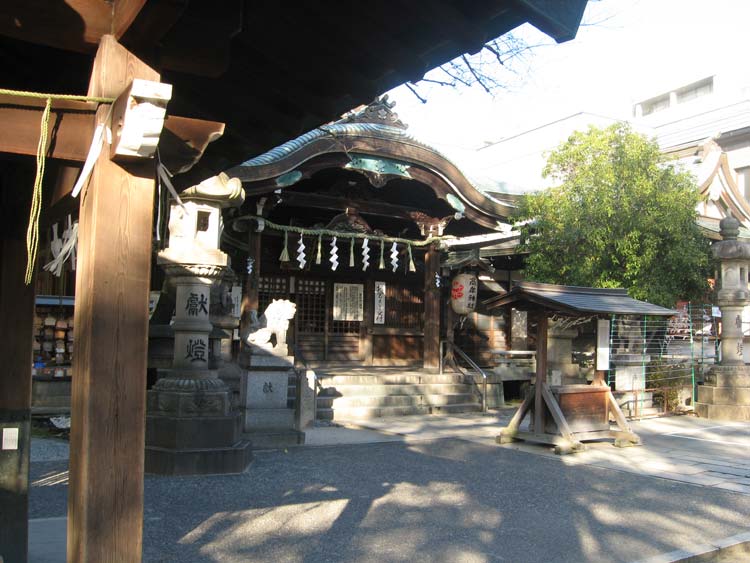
[(379, 111)]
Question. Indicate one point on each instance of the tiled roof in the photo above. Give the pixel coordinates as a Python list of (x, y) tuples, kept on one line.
[(572, 299)]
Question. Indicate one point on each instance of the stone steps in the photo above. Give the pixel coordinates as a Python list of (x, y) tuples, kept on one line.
[(390, 379), (363, 395), (393, 389), (348, 402)]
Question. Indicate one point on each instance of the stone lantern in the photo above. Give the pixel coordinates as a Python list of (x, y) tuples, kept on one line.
[(725, 394), (191, 426), (733, 291)]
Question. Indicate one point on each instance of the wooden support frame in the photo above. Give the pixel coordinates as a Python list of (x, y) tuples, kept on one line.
[(565, 440), (431, 310), (105, 498)]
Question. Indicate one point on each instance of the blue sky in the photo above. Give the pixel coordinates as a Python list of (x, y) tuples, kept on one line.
[(631, 50)]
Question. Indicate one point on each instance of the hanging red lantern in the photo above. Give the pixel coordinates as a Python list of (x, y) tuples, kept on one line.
[(464, 293)]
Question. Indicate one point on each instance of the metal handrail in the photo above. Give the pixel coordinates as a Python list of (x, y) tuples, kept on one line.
[(472, 364)]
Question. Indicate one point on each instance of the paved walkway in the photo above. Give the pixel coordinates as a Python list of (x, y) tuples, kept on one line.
[(439, 489), (679, 448)]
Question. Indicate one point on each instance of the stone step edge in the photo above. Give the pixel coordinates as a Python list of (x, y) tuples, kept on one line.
[(400, 411), (429, 397)]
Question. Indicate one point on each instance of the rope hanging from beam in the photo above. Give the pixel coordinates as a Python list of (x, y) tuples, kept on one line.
[(334, 236), (32, 232), (341, 234), (68, 97)]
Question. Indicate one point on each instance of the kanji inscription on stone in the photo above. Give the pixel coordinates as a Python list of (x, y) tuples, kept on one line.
[(196, 350), (196, 304)]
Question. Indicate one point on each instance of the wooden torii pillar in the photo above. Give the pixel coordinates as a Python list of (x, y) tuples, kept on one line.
[(108, 402), (111, 316)]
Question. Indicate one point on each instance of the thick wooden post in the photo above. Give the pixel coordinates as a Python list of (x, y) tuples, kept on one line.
[(105, 498), (16, 328), (450, 332), (541, 371), (431, 310), (365, 334)]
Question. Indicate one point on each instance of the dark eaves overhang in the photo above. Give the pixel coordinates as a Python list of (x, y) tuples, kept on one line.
[(268, 70)]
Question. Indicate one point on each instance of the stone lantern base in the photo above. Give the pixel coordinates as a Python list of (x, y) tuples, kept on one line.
[(191, 429), (725, 395)]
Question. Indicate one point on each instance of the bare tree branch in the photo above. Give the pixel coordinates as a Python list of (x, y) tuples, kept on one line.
[(454, 77), (438, 82), (492, 50), (474, 73), (414, 91), (489, 67)]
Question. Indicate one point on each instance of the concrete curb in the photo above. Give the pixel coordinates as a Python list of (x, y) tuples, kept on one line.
[(726, 550)]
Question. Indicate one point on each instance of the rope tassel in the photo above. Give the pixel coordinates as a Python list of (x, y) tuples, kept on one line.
[(32, 233), (285, 253), (320, 250), (381, 264), (351, 253), (412, 268)]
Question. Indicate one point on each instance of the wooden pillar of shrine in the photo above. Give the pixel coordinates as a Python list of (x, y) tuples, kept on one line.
[(16, 334), (366, 331), (541, 370), (105, 498), (431, 310)]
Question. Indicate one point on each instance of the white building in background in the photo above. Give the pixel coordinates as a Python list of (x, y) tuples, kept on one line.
[(702, 121)]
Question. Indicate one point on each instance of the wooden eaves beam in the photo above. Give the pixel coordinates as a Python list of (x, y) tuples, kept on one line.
[(338, 203), (71, 127), (73, 25)]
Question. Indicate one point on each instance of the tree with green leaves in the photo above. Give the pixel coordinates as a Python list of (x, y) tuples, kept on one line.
[(620, 216)]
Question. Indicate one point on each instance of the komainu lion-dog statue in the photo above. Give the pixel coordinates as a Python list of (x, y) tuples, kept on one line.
[(272, 325)]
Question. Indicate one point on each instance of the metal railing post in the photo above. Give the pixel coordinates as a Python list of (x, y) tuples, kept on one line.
[(472, 364), (692, 354)]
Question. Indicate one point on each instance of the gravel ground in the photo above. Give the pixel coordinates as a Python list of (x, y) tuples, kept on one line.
[(49, 449), (443, 500)]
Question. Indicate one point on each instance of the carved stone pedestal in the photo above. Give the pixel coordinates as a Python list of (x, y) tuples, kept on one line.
[(192, 430), (266, 416), (265, 393), (725, 394)]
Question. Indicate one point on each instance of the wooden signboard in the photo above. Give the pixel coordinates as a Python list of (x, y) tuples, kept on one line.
[(348, 302), (379, 312)]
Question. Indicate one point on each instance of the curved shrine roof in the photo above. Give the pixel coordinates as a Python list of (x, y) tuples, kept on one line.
[(396, 152)]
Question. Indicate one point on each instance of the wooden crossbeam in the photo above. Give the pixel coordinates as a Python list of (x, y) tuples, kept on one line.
[(71, 127), (74, 25)]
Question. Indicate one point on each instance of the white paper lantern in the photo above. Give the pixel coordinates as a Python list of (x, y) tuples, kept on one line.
[(464, 293)]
